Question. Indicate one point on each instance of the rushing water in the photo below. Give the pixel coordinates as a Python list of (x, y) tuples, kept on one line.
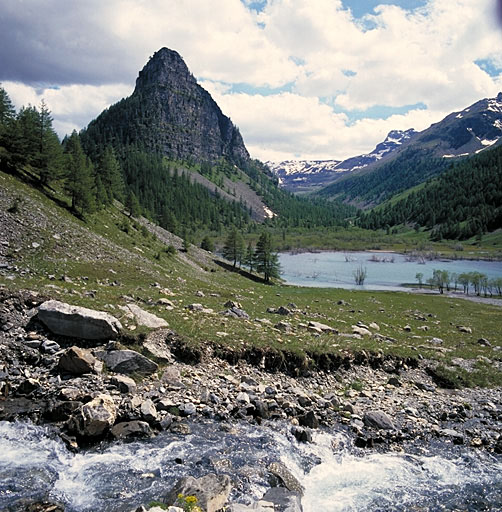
[(35, 464), (336, 269)]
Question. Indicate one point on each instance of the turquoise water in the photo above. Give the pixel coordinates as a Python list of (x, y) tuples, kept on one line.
[(336, 269)]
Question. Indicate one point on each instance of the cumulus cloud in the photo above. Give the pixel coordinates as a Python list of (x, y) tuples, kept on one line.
[(326, 57)]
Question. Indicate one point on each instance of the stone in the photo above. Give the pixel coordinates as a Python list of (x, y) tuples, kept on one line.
[(282, 472), (463, 328), (283, 500), (283, 311), (149, 411), (232, 304), (77, 361), (407, 328), (195, 307), (127, 429), (123, 383), (303, 435), (210, 490), (144, 318), (235, 313), (484, 342), (127, 361), (96, 416), (187, 409), (78, 322), (322, 327), (378, 419), (284, 326), (361, 331), (50, 347), (257, 506), (156, 344), (374, 326)]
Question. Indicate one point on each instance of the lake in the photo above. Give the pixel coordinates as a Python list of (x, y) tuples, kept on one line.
[(385, 270)]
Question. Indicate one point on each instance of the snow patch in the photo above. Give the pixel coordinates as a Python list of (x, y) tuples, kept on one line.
[(459, 116), (486, 142), (269, 213)]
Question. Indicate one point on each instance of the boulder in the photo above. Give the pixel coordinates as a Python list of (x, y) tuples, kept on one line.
[(378, 419), (156, 344), (284, 500), (77, 361), (322, 327), (235, 312), (210, 490), (149, 411), (309, 420), (123, 384), (127, 361), (96, 416), (282, 472), (127, 429), (463, 328), (284, 326), (78, 322), (145, 318), (362, 331)]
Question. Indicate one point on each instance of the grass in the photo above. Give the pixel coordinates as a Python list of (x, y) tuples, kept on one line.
[(127, 269)]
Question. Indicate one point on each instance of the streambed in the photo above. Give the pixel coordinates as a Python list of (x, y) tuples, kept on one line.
[(35, 464)]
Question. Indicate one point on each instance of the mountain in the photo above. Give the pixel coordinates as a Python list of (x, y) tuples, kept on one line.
[(173, 139), (426, 154), (308, 175), (171, 114)]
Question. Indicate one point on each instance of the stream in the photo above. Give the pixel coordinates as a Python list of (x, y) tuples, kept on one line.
[(36, 465)]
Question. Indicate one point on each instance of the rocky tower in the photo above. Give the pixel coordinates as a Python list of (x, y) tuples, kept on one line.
[(178, 117)]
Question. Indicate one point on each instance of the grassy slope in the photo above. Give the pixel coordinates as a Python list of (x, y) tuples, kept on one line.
[(106, 265)]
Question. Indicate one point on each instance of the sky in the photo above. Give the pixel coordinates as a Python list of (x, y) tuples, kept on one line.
[(302, 79)]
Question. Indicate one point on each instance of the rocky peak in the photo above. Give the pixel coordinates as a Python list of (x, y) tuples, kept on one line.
[(167, 68)]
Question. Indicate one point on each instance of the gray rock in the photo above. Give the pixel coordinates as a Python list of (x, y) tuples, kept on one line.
[(127, 361), (78, 361), (124, 384), (78, 322), (50, 347), (378, 419), (322, 327), (484, 342), (128, 429), (304, 435), (145, 318), (284, 326), (211, 491), (235, 312), (284, 500), (309, 420), (95, 417), (282, 472), (187, 409), (148, 411)]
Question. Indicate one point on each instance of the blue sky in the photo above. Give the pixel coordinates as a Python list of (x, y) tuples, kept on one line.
[(306, 79)]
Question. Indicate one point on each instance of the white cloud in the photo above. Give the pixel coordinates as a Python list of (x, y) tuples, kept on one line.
[(392, 58), (72, 106)]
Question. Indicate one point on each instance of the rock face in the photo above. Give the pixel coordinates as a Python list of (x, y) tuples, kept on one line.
[(78, 322), (171, 113), (127, 361), (211, 491)]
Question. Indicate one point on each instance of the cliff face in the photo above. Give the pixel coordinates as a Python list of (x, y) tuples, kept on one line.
[(170, 113)]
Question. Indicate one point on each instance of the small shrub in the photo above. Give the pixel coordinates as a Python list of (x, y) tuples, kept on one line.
[(14, 208), (170, 250)]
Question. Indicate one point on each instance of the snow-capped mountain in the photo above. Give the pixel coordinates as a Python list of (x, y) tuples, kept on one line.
[(309, 175)]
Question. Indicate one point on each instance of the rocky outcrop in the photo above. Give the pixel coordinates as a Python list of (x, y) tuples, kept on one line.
[(78, 322), (170, 113)]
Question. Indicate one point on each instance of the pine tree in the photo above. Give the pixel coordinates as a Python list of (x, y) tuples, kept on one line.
[(267, 261), (48, 158), (234, 247), (111, 175), (79, 181), (249, 257), (132, 204), (207, 244), (7, 125)]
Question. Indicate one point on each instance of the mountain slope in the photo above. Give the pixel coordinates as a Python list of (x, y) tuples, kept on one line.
[(426, 154), (462, 202), (308, 175)]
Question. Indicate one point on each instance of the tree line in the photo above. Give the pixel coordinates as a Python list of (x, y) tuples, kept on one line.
[(477, 282)]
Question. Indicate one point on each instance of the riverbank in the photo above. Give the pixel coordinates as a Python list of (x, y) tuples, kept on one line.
[(382, 403)]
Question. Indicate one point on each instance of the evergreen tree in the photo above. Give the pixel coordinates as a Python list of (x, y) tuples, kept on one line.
[(267, 261), (79, 182), (132, 204), (234, 247), (249, 257), (207, 244), (48, 158), (111, 175), (7, 125)]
